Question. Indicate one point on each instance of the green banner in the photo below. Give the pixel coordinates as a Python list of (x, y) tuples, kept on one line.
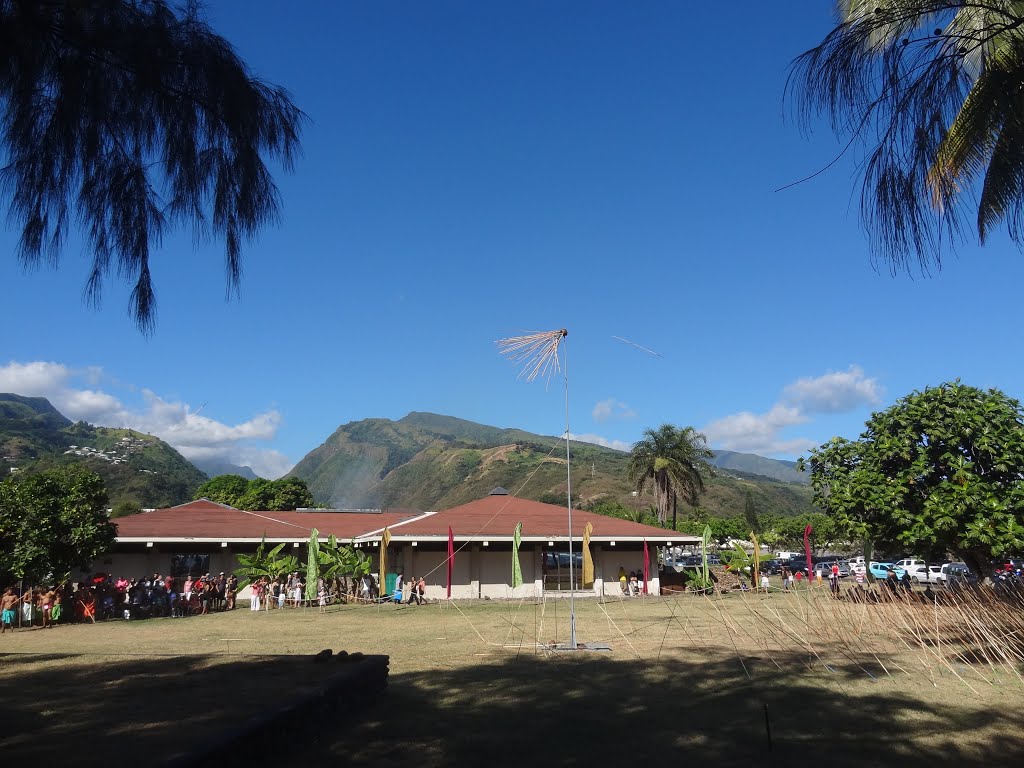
[(517, 571), (312, 566)]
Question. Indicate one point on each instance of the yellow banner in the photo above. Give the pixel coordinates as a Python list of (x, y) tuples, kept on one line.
[(384, 541), (588, 560)]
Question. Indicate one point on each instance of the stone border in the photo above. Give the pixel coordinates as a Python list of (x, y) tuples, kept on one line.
[(327, 706)]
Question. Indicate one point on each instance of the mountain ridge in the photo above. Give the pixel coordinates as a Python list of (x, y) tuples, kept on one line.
[(432, 461), (136, 468)]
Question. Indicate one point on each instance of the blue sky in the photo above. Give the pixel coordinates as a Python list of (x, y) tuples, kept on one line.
[(475, 170)]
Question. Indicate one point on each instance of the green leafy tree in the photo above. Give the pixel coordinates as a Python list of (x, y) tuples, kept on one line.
[(133, 118), (932, 88), (224, 489), (291, 493), (286, 494), (52, 522), (259, 495), (673, 461), (125, 508), (723, 529), (939, 471)]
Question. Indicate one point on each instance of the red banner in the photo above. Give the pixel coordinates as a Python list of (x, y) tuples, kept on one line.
[(451, 559)]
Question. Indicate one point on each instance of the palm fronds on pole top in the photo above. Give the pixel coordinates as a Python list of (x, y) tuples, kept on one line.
[(535, 354)]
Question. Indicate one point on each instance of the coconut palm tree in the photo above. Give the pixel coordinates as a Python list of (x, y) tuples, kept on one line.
[(674, 461), (934, 88), (131, 118)]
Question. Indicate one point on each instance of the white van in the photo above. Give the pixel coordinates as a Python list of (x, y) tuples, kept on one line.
[(910, 564)]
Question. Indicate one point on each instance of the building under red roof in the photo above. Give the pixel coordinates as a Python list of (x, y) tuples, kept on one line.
[(203, 536)]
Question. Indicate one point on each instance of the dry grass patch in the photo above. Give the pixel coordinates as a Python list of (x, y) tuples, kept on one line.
[(687, 676)]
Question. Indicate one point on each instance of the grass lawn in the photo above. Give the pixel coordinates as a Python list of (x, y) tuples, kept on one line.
[(687, 677)]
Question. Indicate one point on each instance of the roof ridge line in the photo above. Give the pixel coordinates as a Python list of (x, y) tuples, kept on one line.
[(399, 524)]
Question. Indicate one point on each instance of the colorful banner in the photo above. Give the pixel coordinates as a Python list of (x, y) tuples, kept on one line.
[(451, 559), (517, 571), (647, 566), (384, 541), (588, 559)]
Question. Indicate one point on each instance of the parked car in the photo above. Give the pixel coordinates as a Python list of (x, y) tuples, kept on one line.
[(882, 570), (910, 563), (926, 574), (797, 564), (957, 573), (771, 567)]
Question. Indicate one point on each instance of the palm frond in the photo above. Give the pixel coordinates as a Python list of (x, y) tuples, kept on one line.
[(927, 87)]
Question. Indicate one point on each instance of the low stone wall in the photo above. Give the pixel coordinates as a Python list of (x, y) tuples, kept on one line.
[(351, 683)]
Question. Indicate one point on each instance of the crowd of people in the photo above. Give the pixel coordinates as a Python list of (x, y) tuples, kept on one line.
[(270, 593), (103, 597)]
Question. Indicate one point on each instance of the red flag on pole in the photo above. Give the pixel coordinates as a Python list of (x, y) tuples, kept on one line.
[(647, 566), (807, 550), (451, 559)]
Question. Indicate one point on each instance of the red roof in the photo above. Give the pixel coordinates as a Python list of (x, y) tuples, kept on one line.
[(496, 517), (206, 519)]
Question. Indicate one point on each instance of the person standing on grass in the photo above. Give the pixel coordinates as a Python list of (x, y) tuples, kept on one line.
[(254, 596), (7, 613), (833, 580), (46, 607), (765, 583), (321, 596), (421, 590), (58, 604)]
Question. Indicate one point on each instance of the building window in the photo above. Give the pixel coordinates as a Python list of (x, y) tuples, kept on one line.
[(189, 565)]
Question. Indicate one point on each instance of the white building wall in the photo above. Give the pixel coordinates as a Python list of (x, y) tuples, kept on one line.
[(496, 575)]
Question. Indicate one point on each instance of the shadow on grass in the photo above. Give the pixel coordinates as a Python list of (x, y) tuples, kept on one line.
[(589, 710), (111, 711)]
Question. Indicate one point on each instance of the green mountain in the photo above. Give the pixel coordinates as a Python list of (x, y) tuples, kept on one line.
[(745, 464), (135, 468), (428, 461)]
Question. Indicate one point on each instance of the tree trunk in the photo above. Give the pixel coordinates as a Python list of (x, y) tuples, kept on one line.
[(675, 499), (661, 484)]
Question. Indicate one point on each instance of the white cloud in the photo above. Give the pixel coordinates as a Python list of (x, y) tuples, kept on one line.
[(196, 435), (611, 408), (758, 432), (618, 445), (762, 433), (33, 379), (835, 392)]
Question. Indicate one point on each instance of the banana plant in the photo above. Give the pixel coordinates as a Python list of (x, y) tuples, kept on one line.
[(263, 563), (342, 563)]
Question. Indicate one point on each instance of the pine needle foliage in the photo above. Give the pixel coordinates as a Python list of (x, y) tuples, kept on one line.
[(128, 118), (933, 90)]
